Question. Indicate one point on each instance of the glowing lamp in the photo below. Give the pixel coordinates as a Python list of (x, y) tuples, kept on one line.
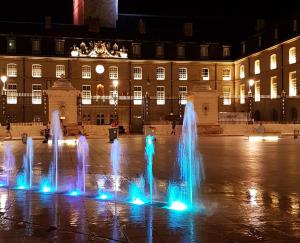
[(115, 83), (251, 82), (99, 69), (3, 78)]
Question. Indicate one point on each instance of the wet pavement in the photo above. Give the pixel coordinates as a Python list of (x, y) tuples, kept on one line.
[(251, 193)]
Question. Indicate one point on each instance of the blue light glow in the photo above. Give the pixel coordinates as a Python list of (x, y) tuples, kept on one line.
[(45, 185), (149, 153), (178, 206), (138, 201), (103, 196), (1, 184), (46, 189), (74, 193)]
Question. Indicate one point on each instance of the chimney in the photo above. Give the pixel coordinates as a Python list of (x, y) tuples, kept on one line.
[(188, 29), (48, 22), (260, 24), (142, 27)]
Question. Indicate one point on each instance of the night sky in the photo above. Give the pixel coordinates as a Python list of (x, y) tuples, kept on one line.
[(217, 14)]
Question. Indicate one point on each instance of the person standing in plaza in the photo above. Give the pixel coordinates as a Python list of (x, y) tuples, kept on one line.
[(8, 130), (173, 127)]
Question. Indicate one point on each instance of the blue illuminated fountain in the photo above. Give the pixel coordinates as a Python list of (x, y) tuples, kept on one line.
[(50, 183), (115, 156), (82, 158), (9, 165), (24, 178), (137, 191), (149, 153), (184, 194)]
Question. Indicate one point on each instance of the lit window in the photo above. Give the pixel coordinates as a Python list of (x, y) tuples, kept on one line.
[(226, 74), (226, 96), (182, 73), (113, 97), (36, 70), (182, 95), (36, 94), (292, 84), (59, 46), (273, 63), (86, 71), (12, 70), (137, 73), (257, 91), (242, 71), (113, 72), (226, 51), (11, 94), (242, 93), (137, 95), (159, 51), (11, 45), (273, 87), (160, 95), (86, 95), (205, 73), (136, 49), (60, 71), (180, 51), (292, 55), (160, 73), (256, 67), (204, 51)]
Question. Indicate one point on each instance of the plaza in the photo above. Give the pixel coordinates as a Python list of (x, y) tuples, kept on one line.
[(250, 194)]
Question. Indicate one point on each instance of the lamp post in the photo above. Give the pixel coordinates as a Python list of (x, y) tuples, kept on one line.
[(115, 95), (250, 96), (3, 80)]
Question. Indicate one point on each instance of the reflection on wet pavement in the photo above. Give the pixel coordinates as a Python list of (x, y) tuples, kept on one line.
[(251, 194)]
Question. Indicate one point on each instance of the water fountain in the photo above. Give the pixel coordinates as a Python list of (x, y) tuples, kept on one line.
[(149, 153), (115, 156), (82, 158), (183, 195), (137, 191), (9, 165), (24, 178), (50, 183)]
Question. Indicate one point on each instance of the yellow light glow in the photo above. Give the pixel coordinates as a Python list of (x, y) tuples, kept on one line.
[(263, 138), (69, 142)]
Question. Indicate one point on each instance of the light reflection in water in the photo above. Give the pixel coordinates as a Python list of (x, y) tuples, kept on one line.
[(3, 201), (294, 204), (74, 216), (274, 199), (253, 193), (184, 221)]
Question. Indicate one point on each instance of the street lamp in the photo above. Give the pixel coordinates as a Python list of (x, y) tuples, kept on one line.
[(3, 79), (250, 96), (115, 96)]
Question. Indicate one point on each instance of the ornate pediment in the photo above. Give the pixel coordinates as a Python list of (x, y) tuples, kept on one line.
[(99, 49)]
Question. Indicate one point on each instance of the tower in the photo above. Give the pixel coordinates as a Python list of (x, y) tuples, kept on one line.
[(103, 11)]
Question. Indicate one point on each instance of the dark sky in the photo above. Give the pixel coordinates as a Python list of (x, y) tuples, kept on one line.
[(235, 15), (61, 10)]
